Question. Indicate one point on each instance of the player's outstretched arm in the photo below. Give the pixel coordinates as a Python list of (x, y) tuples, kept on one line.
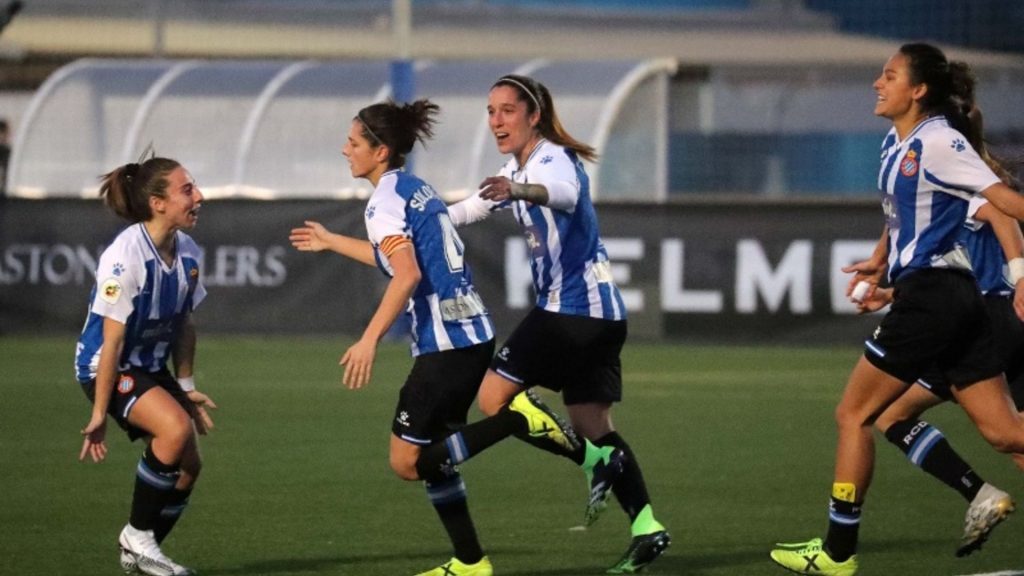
[(313, 237)]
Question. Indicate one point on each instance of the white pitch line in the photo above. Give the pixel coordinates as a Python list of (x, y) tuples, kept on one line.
[(1003, 573)]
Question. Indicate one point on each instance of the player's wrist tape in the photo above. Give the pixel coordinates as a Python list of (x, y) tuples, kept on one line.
[(1016, 268), (187, 384)]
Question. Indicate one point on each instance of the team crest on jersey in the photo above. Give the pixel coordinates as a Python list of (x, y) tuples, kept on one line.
[(126, 384), (194, 273), (908, 166), (110, 291)]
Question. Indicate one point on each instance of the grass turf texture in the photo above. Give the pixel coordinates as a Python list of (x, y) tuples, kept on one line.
[(736, 445)]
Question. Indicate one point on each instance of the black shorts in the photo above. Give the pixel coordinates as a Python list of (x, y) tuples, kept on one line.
[(131, 385), (1008, 335), (576, 355), (438, 393), (938, 321)]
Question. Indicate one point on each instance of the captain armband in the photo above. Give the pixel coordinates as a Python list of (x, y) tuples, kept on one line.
[(391, 244)]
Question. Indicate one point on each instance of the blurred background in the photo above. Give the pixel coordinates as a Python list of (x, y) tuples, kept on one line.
[(718, 122)]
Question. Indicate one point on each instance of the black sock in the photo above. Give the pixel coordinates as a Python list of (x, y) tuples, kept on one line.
[(174, 506), (630, 489), (843, 525), (448, 496), (154, 481), (467, 442), (928, 449)]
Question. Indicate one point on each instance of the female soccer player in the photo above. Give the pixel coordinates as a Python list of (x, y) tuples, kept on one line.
[(924, 445), (571, 340), (929, 173), (147, 285), (412, 241), (995, 243)]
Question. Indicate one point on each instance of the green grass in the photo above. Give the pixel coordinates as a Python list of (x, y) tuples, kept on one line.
[(736, 445)]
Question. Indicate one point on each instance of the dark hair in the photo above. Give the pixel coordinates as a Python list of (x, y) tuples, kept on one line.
[(950, 85), (398, 126), (126, 189), (951, 92), (537, 95)]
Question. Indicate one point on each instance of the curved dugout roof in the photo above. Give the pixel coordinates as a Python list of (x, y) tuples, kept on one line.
[(275, 129)]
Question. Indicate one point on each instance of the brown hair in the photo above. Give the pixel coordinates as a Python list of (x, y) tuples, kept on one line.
[(126, 189), (537, 96), (398, 126)]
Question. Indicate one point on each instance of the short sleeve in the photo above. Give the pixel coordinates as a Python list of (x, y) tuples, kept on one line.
[(950, 163), (117, 285), (385, 216)]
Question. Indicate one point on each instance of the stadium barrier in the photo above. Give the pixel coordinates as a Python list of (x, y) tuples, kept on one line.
[(701, 272)]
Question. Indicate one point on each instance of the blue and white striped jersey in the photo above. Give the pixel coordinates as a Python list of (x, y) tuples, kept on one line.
[(926, 181), (446, 311), (987, 256), (135, 287), (571, 272)]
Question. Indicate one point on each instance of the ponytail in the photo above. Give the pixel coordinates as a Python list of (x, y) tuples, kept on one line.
[(398, 126), (126, 189)]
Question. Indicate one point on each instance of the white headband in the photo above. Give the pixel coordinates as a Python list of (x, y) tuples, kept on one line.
[(525, 89), (359, 116)]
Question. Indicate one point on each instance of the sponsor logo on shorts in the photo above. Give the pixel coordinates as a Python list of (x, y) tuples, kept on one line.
[(126, 384), (503, 353), (403, 418)]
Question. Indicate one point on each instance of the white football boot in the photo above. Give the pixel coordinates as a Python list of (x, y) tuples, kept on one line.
[(141, 546), (988, 509)]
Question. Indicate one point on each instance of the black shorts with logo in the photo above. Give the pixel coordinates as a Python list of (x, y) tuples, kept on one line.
[(576, 355), (937, 322), (131, 385), (1008, 337), (439, 392)]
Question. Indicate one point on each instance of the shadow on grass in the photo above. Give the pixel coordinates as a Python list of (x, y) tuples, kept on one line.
[(746, 560), (340, 564)]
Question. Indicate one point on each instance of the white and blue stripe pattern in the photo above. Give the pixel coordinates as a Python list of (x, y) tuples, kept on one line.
[(567, 259), (987, 256), (155, 479), (447, 491), (458, 452), (844, 519), (926, 180), (923, 444), (404, 205), (153, 300)]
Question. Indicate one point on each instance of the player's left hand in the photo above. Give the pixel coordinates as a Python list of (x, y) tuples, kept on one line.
[(201, 417), (94, 444), (358, 363)]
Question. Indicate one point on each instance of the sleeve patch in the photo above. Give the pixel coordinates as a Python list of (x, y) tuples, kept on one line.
[(110, 291)]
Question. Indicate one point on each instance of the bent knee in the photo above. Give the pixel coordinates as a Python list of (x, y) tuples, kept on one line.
[(490, 406), (404, 469)]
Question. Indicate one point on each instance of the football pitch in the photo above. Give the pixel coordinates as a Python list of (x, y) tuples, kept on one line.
[(736, 444)]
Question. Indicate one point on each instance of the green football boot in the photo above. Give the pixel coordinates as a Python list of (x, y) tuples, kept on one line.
[(810, 558), (455, 568), (642, 551), (542, 422)]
